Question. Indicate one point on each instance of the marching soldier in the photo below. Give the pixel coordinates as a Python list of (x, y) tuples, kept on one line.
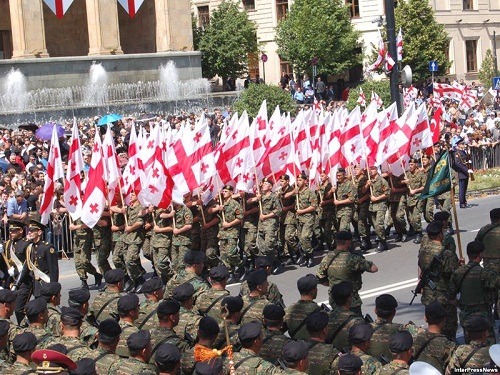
[(104, 304), (460, 166), (360, 335), (307, 203), (400, 345), (36, 312), (249, 232), (326, 211), (52, 294), (255, 301), (7, 308), (231, 309), (288, 220), (195, 206), (189, 320), (344, 198), (273, 337), (361, 208), (428, 204), (117, 248), (79, 299), (181, 238), (295, 355), (209, 302), (23, 345), (209, 234), (379, 192), (102, 242), (161, 243), (397, 206), (138, 356), (415, 185)]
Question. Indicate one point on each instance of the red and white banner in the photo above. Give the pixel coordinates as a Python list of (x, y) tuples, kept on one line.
[(361, 100), (380, 54), (378, 101), (111, 165), (351, 149), (59, 7), (399, 45), (131, 6), (389, 62), (73, 183)]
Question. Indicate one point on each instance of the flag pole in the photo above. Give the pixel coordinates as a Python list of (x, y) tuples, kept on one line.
[(455, 215), (258, 187), (123, 201), (220, 198), (335, 191), (201, 208)]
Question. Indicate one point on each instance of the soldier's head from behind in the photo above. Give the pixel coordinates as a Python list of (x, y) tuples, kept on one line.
[(114, 280), (295, 355), (360, 335), (495, 215), (7, 303), (435, 315), (400, 345), (16, 230), (168, 313), (264, 263), (36, 311), (250, 336), (317, 325), (71, 321), (308, 287), (342, 294), (212, 367), (194, 261), (52, 362), (153, 289), (273, 317), (443, 217), (168, 359), (128, 307), (231, 306), (139, 345), (184, 293), (79, 299), (257, 283), (350, 364), (85, 366), (24, 345), (4, 333), (475, 251), (343, 239), (51, 292), (477, 328), (218, 276), (108, 334), (385, 307), (208, 330), (435, 231)]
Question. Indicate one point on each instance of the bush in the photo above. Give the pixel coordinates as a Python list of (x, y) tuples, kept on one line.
[(381, 88), (251, 99)]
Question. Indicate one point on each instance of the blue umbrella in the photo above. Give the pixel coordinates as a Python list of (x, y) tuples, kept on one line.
[(108, 119), (44, 132)]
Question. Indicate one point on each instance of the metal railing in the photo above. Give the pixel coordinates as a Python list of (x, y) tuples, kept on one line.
[(485, 156)]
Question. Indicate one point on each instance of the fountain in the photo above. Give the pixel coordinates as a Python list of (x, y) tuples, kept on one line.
[(169, 81), (14, 96), (96, 90)]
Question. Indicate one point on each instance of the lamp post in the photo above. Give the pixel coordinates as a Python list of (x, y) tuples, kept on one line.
[(391, 36)]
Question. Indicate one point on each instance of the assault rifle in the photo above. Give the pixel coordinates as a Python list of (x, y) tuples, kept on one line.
[(425, 279)]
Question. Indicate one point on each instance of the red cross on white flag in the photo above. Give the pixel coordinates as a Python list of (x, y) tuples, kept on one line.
[(73, 183), (59, 7), (131, 6)]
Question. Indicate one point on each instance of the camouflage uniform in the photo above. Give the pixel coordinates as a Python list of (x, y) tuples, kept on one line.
[(249, 224), (188, 363), (133, 243), (8, 354), (18, 368), (42, 335), (117, 247), (273, 294), (288, 224), (220, 341), (428, 204), (339, 323), (397, 204), (295, 316), (104, 359), (393, 368), (209, 240), (272, 344), (76, 348), (82, 251), (345, 190), (382, 331), (361, 210), (147, 249), (182, 277), (322, 358), (181, 243), (131, 366), (162, 246), (378, 209), (268, 228), (437, 351), (147, 315), (127, 330), (477, 361), (166, 335), (414, 205), (102, 243), (53, 322), (253, 308), (326, 214), (254, 364), (370, 364), (88, 333), (228, 243), (209, 302), (306, 198), (344, 267), (440, 276), (187, 328), (196, 228), (102, 309)]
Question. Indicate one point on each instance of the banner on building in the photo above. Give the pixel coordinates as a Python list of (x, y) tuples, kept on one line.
[(59, 7), (131, 6)]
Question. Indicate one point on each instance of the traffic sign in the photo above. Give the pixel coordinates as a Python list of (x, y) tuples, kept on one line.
[(314, 61), (263, 57), (496, 83), (433, 66)]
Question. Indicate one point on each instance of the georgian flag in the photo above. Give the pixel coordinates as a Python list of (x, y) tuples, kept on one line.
[(399, 45), (380, 56), (73, 183), (59, 7), (131, 6), (361, 100)]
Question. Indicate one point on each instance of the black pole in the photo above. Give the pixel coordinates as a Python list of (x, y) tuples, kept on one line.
[(391, 36)]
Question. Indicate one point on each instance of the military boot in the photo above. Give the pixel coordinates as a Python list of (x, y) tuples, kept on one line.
[(98, 279), (366, 244), (84, 285), (310, 260), (382, 246), (418, 238)]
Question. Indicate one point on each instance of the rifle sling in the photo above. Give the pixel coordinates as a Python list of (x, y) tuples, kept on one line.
[(471, 354), (213, 303), (241, 361), (104, 306), (339, 328), (464, 276), (422, 348), (147, 318), (247, 308), (160, 343), (302, 323)]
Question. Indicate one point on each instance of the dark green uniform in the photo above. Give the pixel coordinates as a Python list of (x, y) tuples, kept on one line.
[(82, 251), (370, 364), (253, 308), (117, 247), (268, 228), (414, 205), (273, 294), (361, 207), (166, 335), (162, 246), (397, 204), (220, 341), (18, 368), (326, 213), (187, 329), (434, 349), (102, 243), (131, 366), (133, 242), (288, 222), (104, 359), (42, 335), (322, 358), (147, 315), (382, 331), (379, 208), (228, 237), (339, 323), (305, 228), (181, 243), (182, 277), (394, 368), (249, 224), (295, 318), (272, 344), (345, 190), (209, 302), (209, 232), (478, 360), (76, 348), (54, 322), (127, 330), (253, 364), (105, 305)]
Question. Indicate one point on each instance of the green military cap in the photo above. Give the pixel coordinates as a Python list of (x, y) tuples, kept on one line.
[(307, 283), (128, 302), (316, 321), (350, 363), (232, 304), (24, 342), (114, 276), (36, 306), (152, 285), (294, 351), (183, 292), (400, 342), (168, 307), (273, 312), (167, 354), (360, 332), (110, 327), (219, 273), (138, 340)]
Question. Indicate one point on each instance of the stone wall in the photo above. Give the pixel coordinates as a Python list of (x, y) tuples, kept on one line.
[(4, 15), (138, 34)]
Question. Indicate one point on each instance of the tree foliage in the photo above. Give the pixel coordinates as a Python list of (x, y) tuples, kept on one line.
[(381, 88), (322, 29), (227, 41), (251, 99), (423, 38), (487, 71)]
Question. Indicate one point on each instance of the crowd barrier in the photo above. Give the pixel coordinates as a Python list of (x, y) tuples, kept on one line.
[(485, 156)]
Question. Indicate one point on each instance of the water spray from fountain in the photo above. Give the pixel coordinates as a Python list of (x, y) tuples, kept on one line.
[(14, 95)]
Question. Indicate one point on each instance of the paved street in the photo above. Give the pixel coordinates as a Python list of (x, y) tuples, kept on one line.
[(397, 268)]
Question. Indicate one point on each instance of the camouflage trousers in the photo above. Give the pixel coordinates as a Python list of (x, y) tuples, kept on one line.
[(344, 218), (494, 264), (398, 213), (118, 257), (82, 251), (445, 203), (428, 209), (290, 240), (229, 253), (327, 224), (414, 214), (248, 237), (162, 261), (133, 260), (196, 236), (305, 231), (177, 255), (360, 219), (267, 238), (103, 249), (210, 246), (377, 219), (147, 249)]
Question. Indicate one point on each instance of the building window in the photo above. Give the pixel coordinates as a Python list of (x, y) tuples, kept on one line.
[(281, 9), (286, 68), (468, 4), (249, 5), (353, 7), (203, 16), (471, 53), (5, 44)]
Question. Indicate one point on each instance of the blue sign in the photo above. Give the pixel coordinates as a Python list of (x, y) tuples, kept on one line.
[(496, 83), (433, 66)]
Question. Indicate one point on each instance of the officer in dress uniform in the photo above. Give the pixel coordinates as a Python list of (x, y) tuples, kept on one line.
[(460, 165)]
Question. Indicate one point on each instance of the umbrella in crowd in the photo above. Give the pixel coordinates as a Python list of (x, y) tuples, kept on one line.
[(44, 132), (32, 127), (108, 119)]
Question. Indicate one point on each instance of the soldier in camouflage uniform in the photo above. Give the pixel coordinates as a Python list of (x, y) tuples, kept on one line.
[(52, 294), (344, 198), (288, 220), (104, 304), (104, 355), (359, 337), (475, 354), (189, 319), (384, 327), (255, 301), (326, 211), (250, 222), (181, 238), (322, 356), (247, 360), (295, 356), (209, 302), (273, 334), (195, 205), (428, 204), (361, 208), (307, 202), (37, 314), (415, 185), (209, 232), (448, 240), (147, 248), (379, 192), (397, 206), (440, 273), (102, 241), (23, 345), (477, 287), (139, 354), (153, 291), (128, 311), (117, 248), (162, 245), (7, 308), (431, 346), (231, 309), (400, 345), (5, 359), (342, 265), (297, 313), (79, 299)]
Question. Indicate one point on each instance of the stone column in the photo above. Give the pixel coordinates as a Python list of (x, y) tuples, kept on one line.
[(104, 30), (28, 29), (173, 25)]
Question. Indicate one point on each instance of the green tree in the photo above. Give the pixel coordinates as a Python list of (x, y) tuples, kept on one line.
[(321, 29), (227, 41), (487, 71), (423, 38), (381, 88), (251, 99)]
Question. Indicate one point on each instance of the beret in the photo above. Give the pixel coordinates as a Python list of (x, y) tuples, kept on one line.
[(435, 227), (219, 273), (285, 177), (227, 187), (341, 170), (400, 342), (256, 277), (302, 175), (265, 179), (183, 292), (7, 295), (294, 351), (71, 312), (495, 214), (316, 321), (211, 367), (441, 216), (350, 363), (273, 312), (167, 353), (249, 331), (233, 304), (168, 307), (138, 340), (477, 323), (152, 285), (194, 257), (342, 289), (360, 332), (263, 262), (475, 247), (386, 302), (110, 327), (46, 357), (435, 310), (114, 276), (36, 306), (79, 296), (4, 327), (35, 224), (59, 348), (208, 326), (413, 160), (85, 366), (307, 283), (24, 342), (50, 289), (128, 302), (343, 235)]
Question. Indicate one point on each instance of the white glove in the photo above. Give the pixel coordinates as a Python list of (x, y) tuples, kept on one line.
[(1, 248), (12, 271), (470, 171)]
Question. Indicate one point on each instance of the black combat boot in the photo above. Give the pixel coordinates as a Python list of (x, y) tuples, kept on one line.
[(382, 246), (418, 238), (84, 285), (310, 260), (98, 279)]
